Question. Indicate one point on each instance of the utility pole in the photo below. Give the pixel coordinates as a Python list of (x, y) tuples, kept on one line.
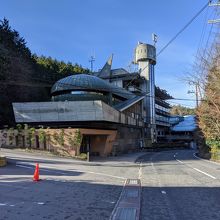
[(92, 60), (154, 38), (196, 92), (197, 95)]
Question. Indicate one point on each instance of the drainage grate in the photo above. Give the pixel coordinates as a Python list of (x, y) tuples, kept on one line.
[(125, 214), (132, 181), (131, 193)]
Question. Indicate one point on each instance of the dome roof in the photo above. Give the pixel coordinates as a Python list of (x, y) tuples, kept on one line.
[(85, 82), (82, 82)]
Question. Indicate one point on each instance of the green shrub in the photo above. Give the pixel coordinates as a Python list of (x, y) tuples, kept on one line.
[(82, 156), (19, 127), (32, 135), (41, 134)]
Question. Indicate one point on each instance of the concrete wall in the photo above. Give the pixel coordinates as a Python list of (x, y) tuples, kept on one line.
[(60, 141), (70, 111), (64, 111), (127, 140)]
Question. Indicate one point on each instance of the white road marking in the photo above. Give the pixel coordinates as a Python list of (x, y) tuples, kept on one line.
[(53, 171), (111, 202), (101, 174), (18, 165), (75, 170), (8, 185), (179, 161), (163, 192), (208, 161), (140, 171), (28, 167), (199, 170), (204, 173), (12, 205)]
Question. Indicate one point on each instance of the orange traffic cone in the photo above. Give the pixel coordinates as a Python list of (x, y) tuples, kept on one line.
[(36, 173)]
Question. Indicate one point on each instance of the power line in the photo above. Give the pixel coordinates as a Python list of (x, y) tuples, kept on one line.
[(174, 38), (176, 103), (144, 93), (182, 29), (194, 17), (194, 100), (203, 32)]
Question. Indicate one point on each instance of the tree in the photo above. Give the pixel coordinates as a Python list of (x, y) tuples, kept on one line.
[(209, 109), (11, 39), (207, 77), (50, 66), (181, 110)]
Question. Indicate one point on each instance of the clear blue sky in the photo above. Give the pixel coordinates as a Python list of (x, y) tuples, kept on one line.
[(71, 30)]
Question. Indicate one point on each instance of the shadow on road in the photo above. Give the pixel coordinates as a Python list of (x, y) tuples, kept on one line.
[(55, 199), (12, 169), (87, 199)]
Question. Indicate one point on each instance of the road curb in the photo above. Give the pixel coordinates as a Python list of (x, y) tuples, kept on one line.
[(209, 161)]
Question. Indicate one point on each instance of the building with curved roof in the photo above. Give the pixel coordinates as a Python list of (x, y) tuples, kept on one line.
[(102, 102), (88, 87)]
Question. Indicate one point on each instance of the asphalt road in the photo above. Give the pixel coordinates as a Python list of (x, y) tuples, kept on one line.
[(68, 190), (175, 185)]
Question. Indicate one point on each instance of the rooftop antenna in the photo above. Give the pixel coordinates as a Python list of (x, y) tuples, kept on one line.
[(92, 60), (154, 38)]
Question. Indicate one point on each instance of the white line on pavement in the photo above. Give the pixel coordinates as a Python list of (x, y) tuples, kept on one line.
[(8, 185), (208, 161), (53, 171), (204, 173), (179, 161), (101, 174), (198, 170), (75, 170), (18, 165), (140, 171), (40, 203)]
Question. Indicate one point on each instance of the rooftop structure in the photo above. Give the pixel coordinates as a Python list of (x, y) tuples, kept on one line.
[(187, 124)]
